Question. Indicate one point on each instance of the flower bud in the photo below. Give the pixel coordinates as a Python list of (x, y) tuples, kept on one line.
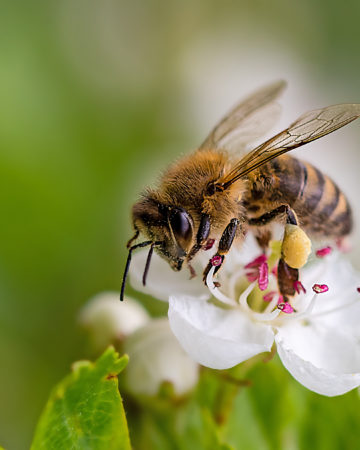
[(296, 246), (110, 320), (155, 358)]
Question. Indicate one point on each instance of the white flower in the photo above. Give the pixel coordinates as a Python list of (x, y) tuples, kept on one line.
[(108, 322), (155, 355), (318, 342)]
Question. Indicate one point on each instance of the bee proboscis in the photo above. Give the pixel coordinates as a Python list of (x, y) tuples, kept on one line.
[(212, 196)]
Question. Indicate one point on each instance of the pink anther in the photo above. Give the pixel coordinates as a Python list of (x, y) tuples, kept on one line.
[(298, 286), (269, 296), (256, 262), (320, 288), (285, 308), (209, 244), (216, 260), (252, 276), (322, 252), (263, 276)]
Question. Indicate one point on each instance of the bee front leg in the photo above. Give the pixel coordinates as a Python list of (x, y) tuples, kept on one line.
[(225, 244), (201, 237)]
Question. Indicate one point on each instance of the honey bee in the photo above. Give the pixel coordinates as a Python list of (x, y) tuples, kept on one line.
[(215, 197)]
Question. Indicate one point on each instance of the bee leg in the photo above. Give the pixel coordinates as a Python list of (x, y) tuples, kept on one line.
[(201, 237), (268, 217), (286, 275), (225, 243)]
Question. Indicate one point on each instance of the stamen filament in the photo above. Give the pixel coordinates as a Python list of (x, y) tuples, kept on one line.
[(261, 317), (216, 292), (337, 308), (272, 304), (305, 313)]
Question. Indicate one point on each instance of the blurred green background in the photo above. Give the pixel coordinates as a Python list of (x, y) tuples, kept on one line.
[(96, 97)]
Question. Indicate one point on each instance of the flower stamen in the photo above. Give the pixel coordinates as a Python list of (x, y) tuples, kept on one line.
[(338, 308), (320, 288), (209, 244), (255, 263), (213, 287), (261, 317), (285, 307), (263, 280), (299, 287), (322, 252), (274, 302), (258, 269), (216, 260), (269, 296)]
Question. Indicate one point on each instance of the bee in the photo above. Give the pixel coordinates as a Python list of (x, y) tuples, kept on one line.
[(215, 197)]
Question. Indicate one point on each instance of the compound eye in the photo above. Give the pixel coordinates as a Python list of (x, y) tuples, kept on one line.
[(181, 226)]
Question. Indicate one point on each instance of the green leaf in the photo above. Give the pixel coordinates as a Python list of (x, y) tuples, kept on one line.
[(85, 410)]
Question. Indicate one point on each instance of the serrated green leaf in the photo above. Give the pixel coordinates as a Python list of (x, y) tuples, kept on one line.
[(85, 409)]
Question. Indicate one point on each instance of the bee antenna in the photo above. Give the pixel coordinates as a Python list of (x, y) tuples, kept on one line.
[(147, 265), (127, 266)]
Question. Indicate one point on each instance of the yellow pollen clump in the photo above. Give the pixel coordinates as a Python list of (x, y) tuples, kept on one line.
[(296, 246)]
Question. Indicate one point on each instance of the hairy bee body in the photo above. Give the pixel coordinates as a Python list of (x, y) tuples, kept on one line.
[(214, 196), (185, 185), (321, 207)]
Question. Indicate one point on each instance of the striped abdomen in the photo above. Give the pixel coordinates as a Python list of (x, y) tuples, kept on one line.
[(321, 207)]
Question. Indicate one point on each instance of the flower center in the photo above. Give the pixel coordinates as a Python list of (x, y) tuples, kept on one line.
[(243, 288)]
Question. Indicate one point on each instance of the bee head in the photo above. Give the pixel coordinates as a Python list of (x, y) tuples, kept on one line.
[(170, 227)]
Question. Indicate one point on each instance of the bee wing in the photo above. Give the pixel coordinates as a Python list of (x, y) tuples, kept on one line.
[(248, 120), (310, 126)]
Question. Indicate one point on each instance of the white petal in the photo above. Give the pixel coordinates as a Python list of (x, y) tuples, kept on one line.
[(156, 357), (337, 273), (108, 319), (340, 306), (324, 360), (162, 281), (215, 337)]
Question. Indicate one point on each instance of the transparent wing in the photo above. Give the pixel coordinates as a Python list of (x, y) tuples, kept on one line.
[(310, 126), (248, 120)]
